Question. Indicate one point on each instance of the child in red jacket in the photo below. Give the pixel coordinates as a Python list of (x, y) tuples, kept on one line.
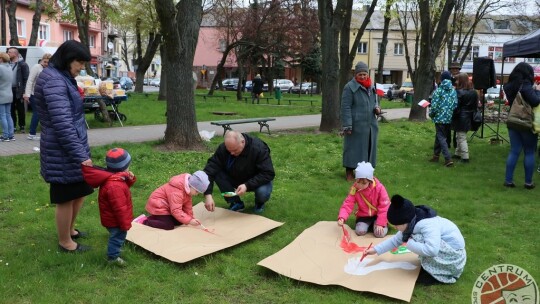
[(115, 205), (371, 199)]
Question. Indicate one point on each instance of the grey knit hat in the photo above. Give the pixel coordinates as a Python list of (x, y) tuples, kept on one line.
[(199, 181), (361, 67)]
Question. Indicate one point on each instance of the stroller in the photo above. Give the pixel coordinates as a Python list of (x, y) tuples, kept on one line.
[(114, 113)]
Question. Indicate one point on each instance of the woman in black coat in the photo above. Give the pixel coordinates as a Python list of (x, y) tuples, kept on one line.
[(257, 88), (463, 114)]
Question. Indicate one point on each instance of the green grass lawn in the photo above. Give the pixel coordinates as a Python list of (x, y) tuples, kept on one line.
[(145, 109), (499, 224)]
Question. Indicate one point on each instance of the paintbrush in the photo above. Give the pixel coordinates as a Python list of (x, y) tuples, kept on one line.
[(365, 252)]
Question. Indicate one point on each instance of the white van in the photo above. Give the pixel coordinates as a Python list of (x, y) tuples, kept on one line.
[(31, 54)]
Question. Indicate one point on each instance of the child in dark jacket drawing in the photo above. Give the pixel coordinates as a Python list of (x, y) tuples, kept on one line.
[(115, 205)]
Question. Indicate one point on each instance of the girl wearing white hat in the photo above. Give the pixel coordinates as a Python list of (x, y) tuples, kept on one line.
[(369, 195)]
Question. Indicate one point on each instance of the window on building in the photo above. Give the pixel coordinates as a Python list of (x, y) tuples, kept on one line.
[(21, 28), (473, 52), (362, 48), (532, 60), (44, 32), (379, 45), (501, 24), (495, 53), (68, 35), (92, 41), (398, 49)]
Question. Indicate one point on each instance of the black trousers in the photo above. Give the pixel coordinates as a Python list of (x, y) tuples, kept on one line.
[(17, 109)]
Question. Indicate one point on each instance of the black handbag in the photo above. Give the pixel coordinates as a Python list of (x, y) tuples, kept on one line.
[(476, 120)]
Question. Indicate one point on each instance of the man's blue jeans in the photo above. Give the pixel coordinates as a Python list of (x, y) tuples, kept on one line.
[(227, 184), (116, 240)]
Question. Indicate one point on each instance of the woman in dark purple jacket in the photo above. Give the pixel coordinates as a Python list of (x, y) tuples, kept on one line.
[(521, 80), (64, 142)]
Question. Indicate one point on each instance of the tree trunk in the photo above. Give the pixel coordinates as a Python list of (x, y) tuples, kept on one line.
[(330, 22), (162, 95), (35, 22), (344, 47), (144, 61), (180, 28), (430, 44), (13, 40), (384, 41), (82, 15), (347, 52)]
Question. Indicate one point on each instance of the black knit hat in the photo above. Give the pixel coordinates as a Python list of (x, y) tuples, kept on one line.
[(401, 210)]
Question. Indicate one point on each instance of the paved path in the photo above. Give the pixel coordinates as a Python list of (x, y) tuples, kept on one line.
[(100, 137)]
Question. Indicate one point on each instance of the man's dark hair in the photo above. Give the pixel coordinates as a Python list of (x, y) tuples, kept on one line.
[(68, 52), (12, 47)]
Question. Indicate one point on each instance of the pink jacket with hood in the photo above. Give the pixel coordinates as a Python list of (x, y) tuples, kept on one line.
[(376, 196), (173, 199)]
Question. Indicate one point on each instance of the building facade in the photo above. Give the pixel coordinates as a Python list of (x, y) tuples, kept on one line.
[(52, 33)]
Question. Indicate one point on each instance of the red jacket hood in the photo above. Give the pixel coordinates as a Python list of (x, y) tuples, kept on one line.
[(96, 176)]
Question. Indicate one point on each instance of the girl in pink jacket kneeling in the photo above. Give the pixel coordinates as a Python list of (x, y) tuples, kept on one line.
[(371, 199), (171, 204)]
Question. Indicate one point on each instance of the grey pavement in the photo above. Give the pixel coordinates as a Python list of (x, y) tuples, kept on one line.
[(105, 136)]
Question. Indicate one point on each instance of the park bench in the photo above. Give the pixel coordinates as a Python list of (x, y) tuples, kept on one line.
[(311, 101), (204, 96), (226, 124), (246, 99)]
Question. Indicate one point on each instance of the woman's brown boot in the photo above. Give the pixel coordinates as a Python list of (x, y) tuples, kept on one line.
[(349, 174)]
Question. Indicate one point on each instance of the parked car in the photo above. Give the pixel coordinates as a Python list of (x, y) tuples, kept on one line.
[(493, 93), (246, 88), (391, 90), (229, 84), (304, 88), (155, 82), (406, 87), (126, 83), (283, 84)]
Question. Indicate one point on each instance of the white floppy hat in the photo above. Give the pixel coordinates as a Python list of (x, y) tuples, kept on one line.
[(364, 170)]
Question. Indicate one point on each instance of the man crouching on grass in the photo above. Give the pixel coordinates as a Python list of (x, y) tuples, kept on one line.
[(241, 164)]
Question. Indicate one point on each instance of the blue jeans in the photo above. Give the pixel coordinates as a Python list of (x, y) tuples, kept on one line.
[(35, 120), (116, 240), (527, 142), (227, 184), (442, 133), (7, 121)]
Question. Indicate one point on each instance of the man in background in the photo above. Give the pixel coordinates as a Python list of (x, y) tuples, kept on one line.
[(20, 76)]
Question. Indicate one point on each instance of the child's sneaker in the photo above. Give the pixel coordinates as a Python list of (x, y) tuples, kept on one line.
[(140, 219), (12, 138), (4, 139), (237, 207), (118, 262), (32, 137)]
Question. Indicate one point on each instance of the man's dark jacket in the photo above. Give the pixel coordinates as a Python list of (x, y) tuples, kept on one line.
[(253, 167)]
